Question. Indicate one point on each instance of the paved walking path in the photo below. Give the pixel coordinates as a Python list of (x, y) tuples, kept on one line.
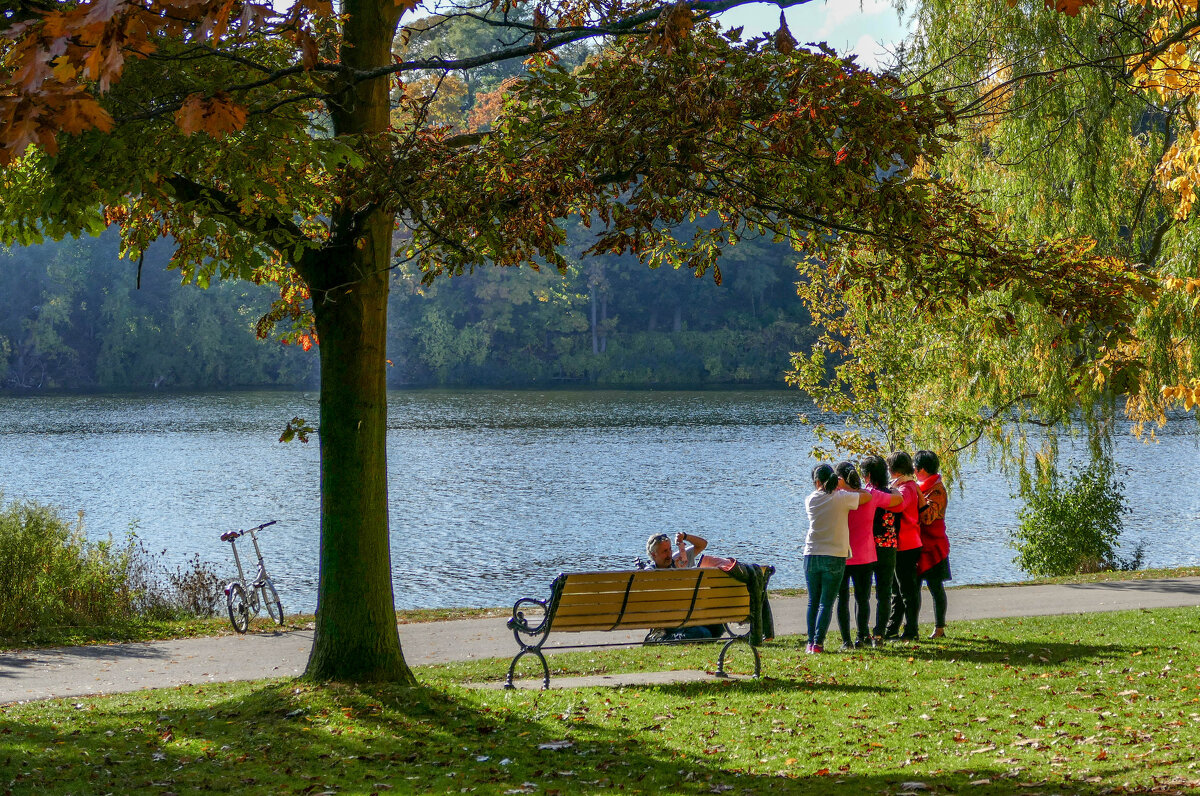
[(80, 671)]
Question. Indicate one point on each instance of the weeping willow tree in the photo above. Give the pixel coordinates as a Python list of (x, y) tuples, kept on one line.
[(994, 365), (1075, 121), (1080, 119)]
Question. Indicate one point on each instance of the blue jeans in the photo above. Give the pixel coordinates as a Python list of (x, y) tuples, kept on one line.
[(823, 577)]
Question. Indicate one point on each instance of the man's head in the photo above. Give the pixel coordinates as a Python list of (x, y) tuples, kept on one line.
[(658, 547)]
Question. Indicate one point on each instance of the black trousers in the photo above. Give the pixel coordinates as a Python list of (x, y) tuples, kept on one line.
[(885, 579), (860, 576), (906, 602)]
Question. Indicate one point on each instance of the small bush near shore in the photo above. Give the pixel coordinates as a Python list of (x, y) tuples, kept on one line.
[(1071, 525), (52, 575)]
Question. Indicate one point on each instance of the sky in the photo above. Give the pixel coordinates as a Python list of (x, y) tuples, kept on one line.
[(868, 28)]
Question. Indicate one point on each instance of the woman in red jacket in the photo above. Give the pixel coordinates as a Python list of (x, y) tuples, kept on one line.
[(906, 601), (934, 565)]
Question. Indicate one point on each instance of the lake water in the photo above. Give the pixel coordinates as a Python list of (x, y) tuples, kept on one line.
[(492, 493)]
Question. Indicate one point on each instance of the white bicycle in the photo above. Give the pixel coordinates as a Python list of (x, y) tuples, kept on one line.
[(246, 600)]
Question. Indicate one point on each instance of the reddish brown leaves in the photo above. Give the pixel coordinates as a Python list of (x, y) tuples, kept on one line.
[(1069, 7), (57, 65), (673, 27), (217, 115), (783, 40)]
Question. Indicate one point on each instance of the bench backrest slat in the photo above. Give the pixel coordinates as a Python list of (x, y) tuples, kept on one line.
[(649, 599)]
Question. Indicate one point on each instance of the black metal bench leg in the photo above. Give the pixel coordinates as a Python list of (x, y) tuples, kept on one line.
[(721, 660), (508, 681)]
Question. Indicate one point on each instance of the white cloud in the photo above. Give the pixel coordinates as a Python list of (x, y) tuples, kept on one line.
[(840, 12), (871, 53)]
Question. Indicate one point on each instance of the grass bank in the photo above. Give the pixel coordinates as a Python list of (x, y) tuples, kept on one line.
[(1092, 704)]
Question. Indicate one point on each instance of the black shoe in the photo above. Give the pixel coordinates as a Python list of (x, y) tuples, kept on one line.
[(909, 637), (891, 633)]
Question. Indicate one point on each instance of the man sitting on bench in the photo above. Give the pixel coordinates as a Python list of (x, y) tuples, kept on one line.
[(689, 552)]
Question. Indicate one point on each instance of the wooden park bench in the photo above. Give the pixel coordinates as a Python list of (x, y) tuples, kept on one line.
[(631, 600)]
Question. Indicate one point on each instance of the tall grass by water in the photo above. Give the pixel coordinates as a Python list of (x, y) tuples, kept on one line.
[(52, 577)]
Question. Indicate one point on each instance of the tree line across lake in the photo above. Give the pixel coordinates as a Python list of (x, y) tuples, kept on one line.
[(81, 318)]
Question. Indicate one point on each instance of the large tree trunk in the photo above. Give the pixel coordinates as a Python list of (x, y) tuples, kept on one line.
[(356, 636)]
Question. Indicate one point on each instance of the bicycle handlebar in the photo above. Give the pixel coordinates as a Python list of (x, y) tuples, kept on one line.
[(231, 535)]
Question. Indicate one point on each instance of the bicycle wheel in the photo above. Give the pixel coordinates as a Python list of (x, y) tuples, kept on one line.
[(239, 607), (271, 599)]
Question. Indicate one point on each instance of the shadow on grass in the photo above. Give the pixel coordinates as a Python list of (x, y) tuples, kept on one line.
[(982, 649), (287, 737)]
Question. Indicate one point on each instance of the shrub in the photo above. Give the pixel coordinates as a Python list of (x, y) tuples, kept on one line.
[(1072, 525), (51, 575)]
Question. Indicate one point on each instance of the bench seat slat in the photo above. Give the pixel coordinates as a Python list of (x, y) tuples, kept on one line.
[(613, 598)]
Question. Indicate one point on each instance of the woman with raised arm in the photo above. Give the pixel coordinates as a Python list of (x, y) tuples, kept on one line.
[(906, 600), (826, 547), (860, 566)]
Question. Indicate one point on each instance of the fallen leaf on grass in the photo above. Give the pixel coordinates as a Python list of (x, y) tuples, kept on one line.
[(911, 786), (563, 744), (980, 782)]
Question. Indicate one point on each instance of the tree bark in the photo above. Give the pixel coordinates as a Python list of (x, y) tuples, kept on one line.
[(356, 636)]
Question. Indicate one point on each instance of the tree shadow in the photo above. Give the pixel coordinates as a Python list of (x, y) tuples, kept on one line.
[(982, 649), (288, 737)]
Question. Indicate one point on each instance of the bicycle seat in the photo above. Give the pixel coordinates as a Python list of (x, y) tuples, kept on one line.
[(225, 537)]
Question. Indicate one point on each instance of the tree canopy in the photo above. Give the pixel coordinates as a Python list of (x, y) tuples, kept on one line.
[(1080, 118), (304, 148)]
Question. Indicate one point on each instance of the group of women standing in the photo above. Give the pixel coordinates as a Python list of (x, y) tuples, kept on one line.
[(882, 522)]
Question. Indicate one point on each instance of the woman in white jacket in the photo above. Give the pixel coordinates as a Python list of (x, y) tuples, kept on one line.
[(826, 547)]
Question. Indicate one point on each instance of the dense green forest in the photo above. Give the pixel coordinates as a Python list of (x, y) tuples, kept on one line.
[(80, 318)]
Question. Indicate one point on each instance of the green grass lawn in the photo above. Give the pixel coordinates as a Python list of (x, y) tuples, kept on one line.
[(1089, 704)]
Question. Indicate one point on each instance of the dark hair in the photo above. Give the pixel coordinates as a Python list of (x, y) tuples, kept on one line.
[(927, 461), (874, 469), (900, 463), (824, 477), (849, 474)]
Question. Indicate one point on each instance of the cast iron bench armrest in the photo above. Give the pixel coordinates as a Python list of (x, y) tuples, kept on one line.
[(630, 600)]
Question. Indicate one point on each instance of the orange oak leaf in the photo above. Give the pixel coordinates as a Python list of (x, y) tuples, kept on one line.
[(1069, 7), (217, 115), (84, 113)]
